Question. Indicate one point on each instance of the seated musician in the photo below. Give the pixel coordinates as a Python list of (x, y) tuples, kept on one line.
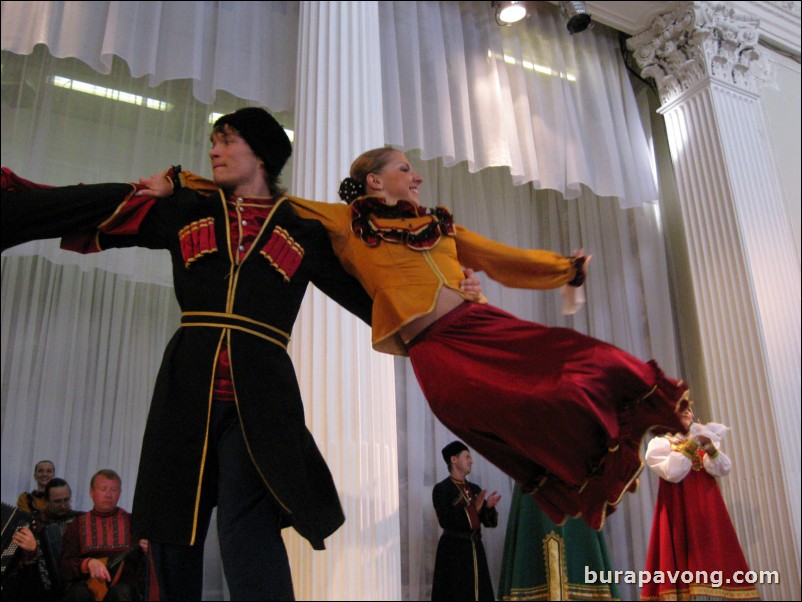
[(35, 572), (103, 559)]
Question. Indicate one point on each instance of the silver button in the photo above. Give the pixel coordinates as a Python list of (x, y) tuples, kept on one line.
[(244, 222), (242, 247)]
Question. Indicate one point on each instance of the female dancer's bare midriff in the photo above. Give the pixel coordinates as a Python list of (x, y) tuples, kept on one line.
[(447, 300)]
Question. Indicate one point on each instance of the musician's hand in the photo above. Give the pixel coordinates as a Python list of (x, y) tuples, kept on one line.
[(24, 539), (98, 570), (144, 544)]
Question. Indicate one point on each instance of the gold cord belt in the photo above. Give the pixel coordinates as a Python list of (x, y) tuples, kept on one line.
[(222, 320)]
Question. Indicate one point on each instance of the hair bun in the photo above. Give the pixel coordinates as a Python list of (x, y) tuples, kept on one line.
[(350, 189)]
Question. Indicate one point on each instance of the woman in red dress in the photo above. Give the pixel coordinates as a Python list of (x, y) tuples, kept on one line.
[(693, 548)]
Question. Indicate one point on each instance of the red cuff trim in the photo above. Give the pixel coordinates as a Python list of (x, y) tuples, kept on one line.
[(129, 216), (11, 181), (126, 219)]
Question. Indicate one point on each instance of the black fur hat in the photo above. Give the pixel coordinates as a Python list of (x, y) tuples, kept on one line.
[(454, 448), (264, 135)]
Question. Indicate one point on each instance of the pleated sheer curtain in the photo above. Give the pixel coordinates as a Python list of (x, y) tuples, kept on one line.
[(558, 110), (481, 107)]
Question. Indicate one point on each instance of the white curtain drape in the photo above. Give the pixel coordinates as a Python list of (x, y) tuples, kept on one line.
[(557, 110), (210, 43), (62, 136), (79, 359)]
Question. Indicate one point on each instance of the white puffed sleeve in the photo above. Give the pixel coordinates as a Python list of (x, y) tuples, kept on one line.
[(673, 466)]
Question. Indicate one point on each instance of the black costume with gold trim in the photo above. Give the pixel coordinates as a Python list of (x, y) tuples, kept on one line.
[(252, 305), (460, 568)]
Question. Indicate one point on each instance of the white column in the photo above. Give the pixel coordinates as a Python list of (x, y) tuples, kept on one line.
[(743, 271), (349, 389)]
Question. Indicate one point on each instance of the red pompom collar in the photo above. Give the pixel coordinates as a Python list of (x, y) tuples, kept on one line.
[(405, 223)]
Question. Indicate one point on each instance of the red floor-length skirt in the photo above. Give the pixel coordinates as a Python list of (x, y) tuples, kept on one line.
[(561, 413), (692, 531)]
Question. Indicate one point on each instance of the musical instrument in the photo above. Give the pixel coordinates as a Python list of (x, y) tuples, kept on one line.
[(114, 564), (13, 519)]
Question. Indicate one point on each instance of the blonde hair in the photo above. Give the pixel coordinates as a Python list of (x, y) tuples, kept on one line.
[(372, 161)]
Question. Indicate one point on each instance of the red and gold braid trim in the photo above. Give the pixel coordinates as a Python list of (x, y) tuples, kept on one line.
[(197, 239), (283, 253)]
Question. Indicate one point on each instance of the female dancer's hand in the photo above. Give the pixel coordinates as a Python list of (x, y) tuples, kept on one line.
[(158, 185), (471, 284)]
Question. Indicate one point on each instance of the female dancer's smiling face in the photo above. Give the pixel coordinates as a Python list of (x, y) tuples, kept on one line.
[(397, 180)]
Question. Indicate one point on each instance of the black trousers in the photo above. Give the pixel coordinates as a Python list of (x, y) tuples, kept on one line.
[(255, 559)]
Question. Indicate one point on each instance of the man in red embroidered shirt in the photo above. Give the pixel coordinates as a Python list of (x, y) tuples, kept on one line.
[(103, 559)]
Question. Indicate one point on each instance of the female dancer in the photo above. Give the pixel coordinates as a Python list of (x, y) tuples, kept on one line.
[(560, 412)]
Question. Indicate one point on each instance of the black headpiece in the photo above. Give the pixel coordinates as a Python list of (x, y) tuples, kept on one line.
[(454, 448), (264, 135)]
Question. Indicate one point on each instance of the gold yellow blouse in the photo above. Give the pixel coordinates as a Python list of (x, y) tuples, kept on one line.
[(404, 279)]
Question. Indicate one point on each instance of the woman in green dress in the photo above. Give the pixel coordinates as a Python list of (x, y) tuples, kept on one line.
[(543, 561)]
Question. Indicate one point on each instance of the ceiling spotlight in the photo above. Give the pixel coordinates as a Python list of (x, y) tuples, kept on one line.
[(509, 12), (577, 15)]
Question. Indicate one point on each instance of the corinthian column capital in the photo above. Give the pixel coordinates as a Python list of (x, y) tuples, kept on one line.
[(701, 40)]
